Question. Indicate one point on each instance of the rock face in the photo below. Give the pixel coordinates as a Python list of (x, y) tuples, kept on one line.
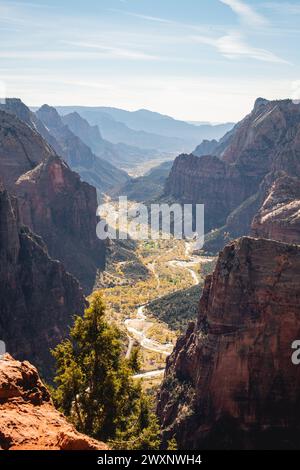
[(261, 148), (96, 171), (28, 419), (209, 181), (38, 298), (230, 382), (279, 216), (54, 202), (57, 205)]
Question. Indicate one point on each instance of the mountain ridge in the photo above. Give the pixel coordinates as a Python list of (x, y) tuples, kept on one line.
[(154, 132)]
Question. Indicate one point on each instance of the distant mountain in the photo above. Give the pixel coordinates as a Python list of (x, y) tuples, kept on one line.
[(96, 171), (165, 125), (47, 122), (118, 132), (121, 155), (147, 129)]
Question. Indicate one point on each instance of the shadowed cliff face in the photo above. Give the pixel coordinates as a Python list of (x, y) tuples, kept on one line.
[(230, 382), (38, 298), (54, 202), (234, 183), (28, 419)]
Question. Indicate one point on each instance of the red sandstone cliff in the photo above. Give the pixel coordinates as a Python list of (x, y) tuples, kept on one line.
[(58, 206), (230, 382), (54, 202), (28, 419), (38, 298)]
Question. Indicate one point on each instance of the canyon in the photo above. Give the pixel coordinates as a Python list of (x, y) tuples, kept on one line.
[(230, 382)]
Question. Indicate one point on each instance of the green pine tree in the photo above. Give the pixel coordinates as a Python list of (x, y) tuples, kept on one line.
[(134, 360), (94, 381)]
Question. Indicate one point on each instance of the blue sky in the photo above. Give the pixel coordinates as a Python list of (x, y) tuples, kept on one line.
[(192, 59)]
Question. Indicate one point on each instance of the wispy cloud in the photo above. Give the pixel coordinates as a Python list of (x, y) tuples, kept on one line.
[(233, 46), (245, 12), (114, 52), (103, 53), (166, 21), (155, 19)]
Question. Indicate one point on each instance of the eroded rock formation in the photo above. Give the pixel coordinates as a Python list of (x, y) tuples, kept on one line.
[(230, 382), (28, 419)]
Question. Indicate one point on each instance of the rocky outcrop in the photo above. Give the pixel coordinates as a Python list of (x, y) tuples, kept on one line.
[(54, 202), (230, 382), (96, 171), (57, 205), (279, 216), (38, 298), (28, 419)]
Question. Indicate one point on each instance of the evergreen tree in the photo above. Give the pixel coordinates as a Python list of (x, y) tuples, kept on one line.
[(134, 360), (144, 432), (94, 384)]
